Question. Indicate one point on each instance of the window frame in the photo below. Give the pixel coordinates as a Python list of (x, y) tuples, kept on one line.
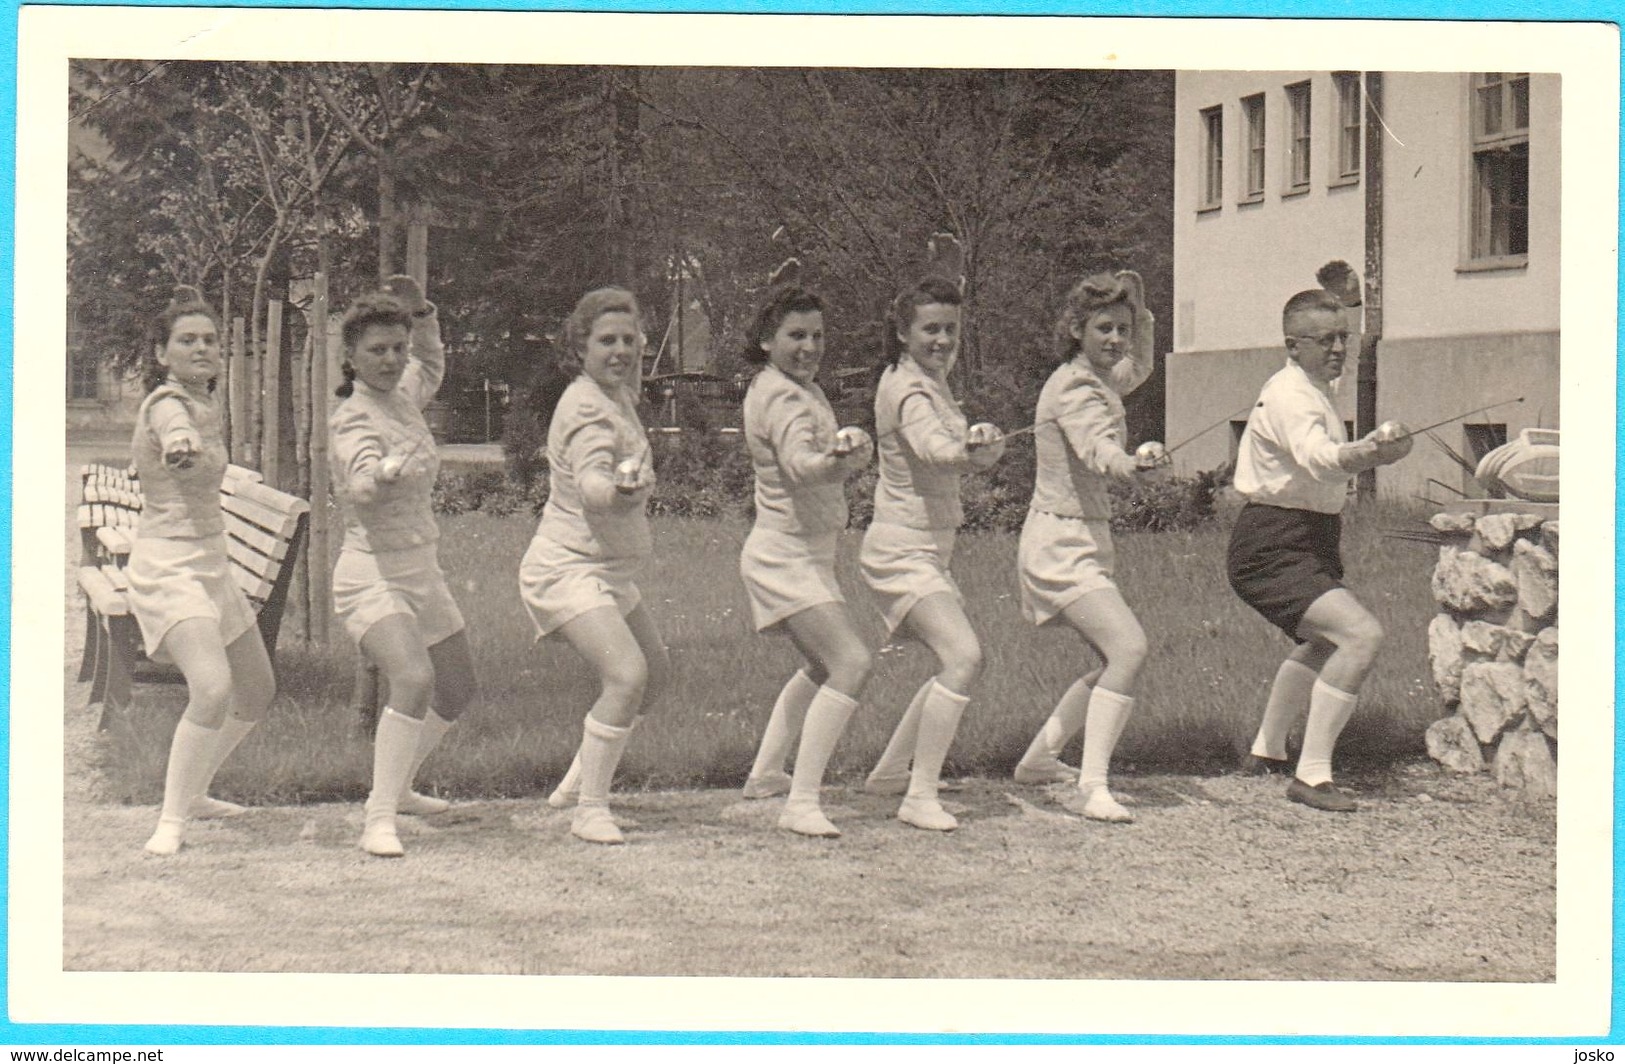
[(1210, 179), (1487, 147), (1300, 144), (1255, 157), (1349, 92)]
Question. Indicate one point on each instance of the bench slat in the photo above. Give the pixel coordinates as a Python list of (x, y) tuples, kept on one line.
[(115, 541), (106, 599), (255, 587), (117, 577), (278, 522), (256, 563), (253, 536), (243, 474)]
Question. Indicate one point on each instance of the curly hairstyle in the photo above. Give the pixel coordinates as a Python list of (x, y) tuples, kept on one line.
[(560, 371), (1094, 293), (929, 290), (184, 302), (368, 309), (783, 301)]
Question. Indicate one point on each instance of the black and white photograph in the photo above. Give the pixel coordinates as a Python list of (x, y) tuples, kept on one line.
[(946, 524)]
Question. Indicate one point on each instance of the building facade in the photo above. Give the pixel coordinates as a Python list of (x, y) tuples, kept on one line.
[(1459, 205)]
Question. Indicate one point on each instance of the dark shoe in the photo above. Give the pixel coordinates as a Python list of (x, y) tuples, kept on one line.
[(1253, 765), (1323, 796)]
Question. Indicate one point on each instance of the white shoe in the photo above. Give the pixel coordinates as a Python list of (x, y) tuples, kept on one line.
[(166, 839), (415, 804), (206, 808), (379, 839), (563, 799), (768, 785), (1098, 804), (805, 818), (1052, 771), (890, 786), (592, 823), (926, 814)]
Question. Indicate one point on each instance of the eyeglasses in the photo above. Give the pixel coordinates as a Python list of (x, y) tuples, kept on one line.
[(1326, 342)]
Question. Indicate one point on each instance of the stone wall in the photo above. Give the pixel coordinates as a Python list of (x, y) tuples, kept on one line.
[(1493, 644)]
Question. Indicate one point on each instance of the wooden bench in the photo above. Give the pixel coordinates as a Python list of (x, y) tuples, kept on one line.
[(265, 530)]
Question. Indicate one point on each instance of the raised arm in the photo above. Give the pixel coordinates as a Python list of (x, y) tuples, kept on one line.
[(427, 365)]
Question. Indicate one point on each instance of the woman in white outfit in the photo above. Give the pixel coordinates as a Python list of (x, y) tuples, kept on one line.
[(925, 447)]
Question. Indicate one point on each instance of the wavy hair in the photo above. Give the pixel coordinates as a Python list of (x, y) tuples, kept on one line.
[(783, 301), (367, 310), (1094, 293), (929, 290)]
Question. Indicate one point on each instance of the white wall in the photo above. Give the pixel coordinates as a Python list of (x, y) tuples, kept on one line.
[(1425, 185), (1235, 266)]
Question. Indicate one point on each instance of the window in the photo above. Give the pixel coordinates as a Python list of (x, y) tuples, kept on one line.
[(1252, 109), (84, 380), (1297, 145), (1348, 126), (1499, 168), (1481, 440), (1212, 157)]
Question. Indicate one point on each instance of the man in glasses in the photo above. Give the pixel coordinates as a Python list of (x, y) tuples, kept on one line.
[(1294, 466)]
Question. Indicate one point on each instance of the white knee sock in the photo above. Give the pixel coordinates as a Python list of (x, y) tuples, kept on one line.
[(1108, 713), (227, 738), (894, 762), (190, 753), (1064, 722), (1329, 710), (393, 750), (939, 715), (826, 720), (570, 786), (788, 713), (1288, 702), (601, 747), (429, 735)]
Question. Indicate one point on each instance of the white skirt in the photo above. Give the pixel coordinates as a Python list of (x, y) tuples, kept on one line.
[(1060, 560), (785, 574), (904, 565), (558, 584), (174, 580), (369, 586)]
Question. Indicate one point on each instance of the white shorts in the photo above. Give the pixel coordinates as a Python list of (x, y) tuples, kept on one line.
[(785, 574), (1060, 560), (174, 580), (368, 586), (904, 565), (558, 584)]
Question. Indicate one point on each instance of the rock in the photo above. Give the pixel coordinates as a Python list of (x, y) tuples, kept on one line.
[(1452, 524), (1548, 536), (1524, 760), (1492, 697), (1482, 641), (1444, 654), (1540, 681), (1534, 571), (1451, 743), (1468, 582), (1497, 531)]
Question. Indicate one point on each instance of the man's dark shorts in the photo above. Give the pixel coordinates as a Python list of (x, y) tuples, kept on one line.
[(1280, 561)]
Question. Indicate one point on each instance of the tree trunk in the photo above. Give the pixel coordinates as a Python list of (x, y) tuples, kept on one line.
[(389, 221), (623, 241), (271, 443), (317, 561)]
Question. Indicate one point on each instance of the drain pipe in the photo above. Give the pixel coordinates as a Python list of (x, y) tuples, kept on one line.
[(1365, 400)]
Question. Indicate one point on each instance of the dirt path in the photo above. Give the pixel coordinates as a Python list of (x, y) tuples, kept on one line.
[(1437, 878)]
